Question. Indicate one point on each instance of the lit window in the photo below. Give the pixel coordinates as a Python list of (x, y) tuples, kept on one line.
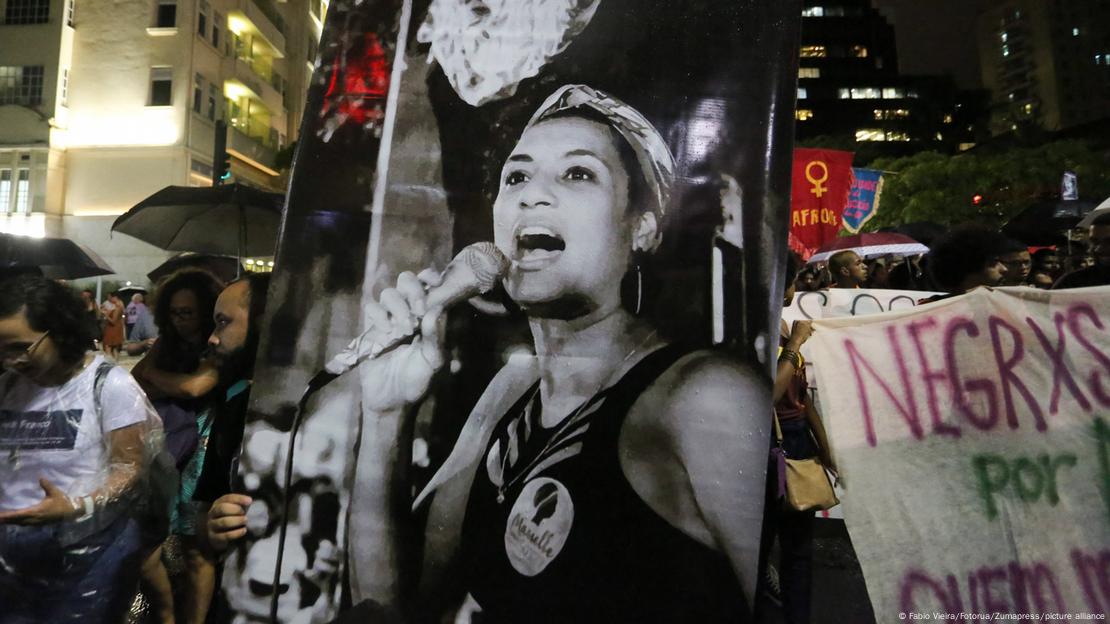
[(814, 51), (1027, 109), (802, 94), (27, 12), (165, 14), (890, 113), (1074, 32), (890, 93), (161, 86), (813, 12), (803, 114), (1005, 50), (1005, 37), (865, 93), (896, 135), (21, 85), (809, 72), (858, 51), (844, 94), (23, 191), (939, 136), (5, 190), (948, 119), (870, 134)]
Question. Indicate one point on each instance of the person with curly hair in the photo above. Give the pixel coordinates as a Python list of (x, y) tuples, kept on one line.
[(178, 376), (75, 431), (967, 257), (612, 439)]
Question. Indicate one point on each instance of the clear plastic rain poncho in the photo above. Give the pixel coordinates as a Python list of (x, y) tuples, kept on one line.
[(84, 485)]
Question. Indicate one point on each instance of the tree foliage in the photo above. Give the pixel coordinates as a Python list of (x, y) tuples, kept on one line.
[(929, 186)]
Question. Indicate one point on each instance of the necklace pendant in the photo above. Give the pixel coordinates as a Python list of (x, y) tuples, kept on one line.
[(500, 495)]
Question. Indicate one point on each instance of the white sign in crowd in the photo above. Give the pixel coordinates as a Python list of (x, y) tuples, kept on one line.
[(973, 439)]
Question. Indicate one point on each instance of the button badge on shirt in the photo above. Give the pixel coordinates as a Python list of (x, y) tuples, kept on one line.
[(538, 525)]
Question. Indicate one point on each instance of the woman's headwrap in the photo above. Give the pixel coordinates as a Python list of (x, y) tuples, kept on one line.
[(654, 157)]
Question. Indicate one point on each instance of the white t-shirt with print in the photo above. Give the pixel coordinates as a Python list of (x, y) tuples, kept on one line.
[(57, 434)]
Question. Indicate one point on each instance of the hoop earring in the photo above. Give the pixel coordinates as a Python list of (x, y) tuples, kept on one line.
[(639, 289)]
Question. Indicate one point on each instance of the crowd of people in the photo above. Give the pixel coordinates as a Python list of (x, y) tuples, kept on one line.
[(972, 255), (109, 473), (964, 258)]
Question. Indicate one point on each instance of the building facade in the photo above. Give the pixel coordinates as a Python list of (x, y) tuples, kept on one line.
[(849, 87), (1045, 62), (104, 103)]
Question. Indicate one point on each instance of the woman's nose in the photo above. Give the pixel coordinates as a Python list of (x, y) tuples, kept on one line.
[(537, 192)]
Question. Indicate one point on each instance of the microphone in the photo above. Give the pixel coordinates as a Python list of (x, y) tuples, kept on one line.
[(474, 271)]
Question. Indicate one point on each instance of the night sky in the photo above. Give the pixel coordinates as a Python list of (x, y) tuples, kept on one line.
[(936, 37)]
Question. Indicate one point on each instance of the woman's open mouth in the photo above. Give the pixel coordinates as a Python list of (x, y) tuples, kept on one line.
[(536, 247)]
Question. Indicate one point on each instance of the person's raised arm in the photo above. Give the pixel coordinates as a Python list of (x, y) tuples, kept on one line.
[(381, 509), (192, 385), (790, 358)]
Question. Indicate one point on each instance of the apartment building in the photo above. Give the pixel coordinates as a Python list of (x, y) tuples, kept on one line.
[(103, 103), (1045, 62), (850, 86)]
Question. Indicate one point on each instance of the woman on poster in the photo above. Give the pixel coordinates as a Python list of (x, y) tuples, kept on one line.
[(614, 476)]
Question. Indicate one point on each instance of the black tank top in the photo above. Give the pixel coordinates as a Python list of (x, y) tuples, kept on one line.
[(555, 533)]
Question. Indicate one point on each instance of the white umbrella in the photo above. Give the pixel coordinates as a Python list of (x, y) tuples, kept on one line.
[(1101, 209)]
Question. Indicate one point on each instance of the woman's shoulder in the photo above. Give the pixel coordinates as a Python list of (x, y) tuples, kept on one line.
[(707, 384), (701, 369)]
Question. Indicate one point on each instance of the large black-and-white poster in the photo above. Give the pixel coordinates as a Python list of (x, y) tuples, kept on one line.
[(538, 244)]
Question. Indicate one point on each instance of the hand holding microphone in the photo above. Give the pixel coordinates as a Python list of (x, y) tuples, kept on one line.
[(402, 345)]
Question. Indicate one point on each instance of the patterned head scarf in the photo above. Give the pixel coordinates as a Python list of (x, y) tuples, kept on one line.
[(654, 157)]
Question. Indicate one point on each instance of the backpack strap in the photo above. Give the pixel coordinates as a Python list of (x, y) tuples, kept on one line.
[(101, 376)]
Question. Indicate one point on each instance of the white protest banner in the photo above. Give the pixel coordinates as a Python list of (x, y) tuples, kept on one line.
[(973, 436), (837, 302)]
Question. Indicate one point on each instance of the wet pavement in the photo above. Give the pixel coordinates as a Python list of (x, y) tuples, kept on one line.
[(839, 593)]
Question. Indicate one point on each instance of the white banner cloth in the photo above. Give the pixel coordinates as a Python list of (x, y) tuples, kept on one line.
[(973, 438)]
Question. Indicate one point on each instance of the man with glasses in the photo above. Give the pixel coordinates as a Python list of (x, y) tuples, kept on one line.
[(73, 431)]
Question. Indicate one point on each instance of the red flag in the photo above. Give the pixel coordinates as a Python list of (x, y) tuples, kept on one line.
[(821, 182)]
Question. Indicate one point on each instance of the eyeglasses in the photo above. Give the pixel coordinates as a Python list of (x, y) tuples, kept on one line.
[(22, 357)]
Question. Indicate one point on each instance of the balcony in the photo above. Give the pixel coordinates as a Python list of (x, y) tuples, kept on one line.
[(256, 81), (253, 148), (247, 17)]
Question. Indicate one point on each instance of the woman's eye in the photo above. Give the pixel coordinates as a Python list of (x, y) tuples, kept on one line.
[(515, 177), (579, 174)]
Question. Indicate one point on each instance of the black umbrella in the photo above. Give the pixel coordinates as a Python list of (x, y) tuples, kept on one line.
[(228, 220), (224, 267), (1043, 222), (57, 258)]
